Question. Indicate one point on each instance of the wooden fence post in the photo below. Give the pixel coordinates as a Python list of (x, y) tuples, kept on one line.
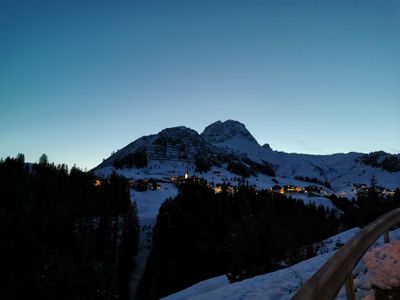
[(386, 237), (350, 290)]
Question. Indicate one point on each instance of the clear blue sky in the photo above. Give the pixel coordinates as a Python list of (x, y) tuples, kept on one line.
[(81, 78)]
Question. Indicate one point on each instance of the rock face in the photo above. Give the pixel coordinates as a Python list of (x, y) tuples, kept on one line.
[(177, 143), (219, 132)]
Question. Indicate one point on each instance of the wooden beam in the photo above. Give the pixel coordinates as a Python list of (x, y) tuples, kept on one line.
[(327, 281)]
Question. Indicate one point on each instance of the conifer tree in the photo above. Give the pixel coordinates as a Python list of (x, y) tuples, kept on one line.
[(43, 159)]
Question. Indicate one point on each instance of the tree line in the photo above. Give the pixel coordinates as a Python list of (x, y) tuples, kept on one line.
[(201, 234), (64, 235), (366, 207), (380, 159)]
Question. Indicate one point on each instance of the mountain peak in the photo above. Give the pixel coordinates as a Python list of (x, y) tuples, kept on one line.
[(267, 147), (178, 131), (219, 132), (179, 136)]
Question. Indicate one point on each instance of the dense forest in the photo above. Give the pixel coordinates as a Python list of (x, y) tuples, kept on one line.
[(380, 159), (201, 234), (64, 234), (367, 206)]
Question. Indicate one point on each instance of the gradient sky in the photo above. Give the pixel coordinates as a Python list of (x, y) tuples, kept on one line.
[(80, 79)]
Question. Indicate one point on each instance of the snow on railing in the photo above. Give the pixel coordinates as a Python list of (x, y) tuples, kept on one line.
[(327, 281)]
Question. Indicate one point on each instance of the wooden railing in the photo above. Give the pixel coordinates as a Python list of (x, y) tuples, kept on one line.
[(327, 281)]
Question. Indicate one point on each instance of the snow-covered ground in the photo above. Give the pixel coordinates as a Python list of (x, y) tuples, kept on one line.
[(148, 204), (383, 266), (145, 240), (318, 200), (379, 267)]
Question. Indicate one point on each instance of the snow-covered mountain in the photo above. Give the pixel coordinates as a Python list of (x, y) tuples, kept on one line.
[(227, 149)]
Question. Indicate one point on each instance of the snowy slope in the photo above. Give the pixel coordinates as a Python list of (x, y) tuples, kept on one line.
[(148, 203), (379, 267), (341, 170), (278, 285), (317, 201)]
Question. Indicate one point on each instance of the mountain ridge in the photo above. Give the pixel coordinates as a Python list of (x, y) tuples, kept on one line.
[(229, 146)]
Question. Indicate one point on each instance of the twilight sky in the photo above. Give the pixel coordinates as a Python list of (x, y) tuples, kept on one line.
[(81, 78)]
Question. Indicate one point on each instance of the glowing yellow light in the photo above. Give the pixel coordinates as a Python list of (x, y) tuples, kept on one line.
[(217, 189)]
